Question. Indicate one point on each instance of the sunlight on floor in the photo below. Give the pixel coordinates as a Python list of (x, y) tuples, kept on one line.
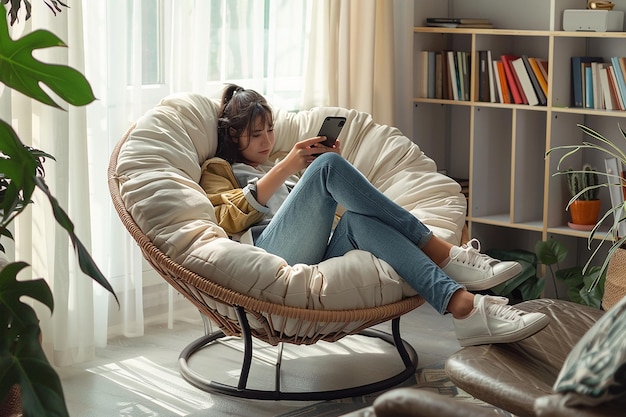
[(159, 385)]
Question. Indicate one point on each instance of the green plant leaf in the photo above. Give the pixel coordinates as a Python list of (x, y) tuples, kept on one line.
[(19, 166), (532, 288), (591, 293), (21, 71), (11, 290), (24, 362), (550, 251), (85, 261), (526, 285), (573, 276)]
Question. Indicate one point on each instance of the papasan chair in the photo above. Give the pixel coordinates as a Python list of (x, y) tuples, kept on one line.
[(153, 180)]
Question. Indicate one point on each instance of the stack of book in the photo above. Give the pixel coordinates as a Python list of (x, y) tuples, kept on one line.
[(511, 79), (518, 79), (597, 84), (445, 74), (460, 22)]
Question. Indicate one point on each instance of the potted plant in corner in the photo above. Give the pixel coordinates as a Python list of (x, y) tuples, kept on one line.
[(585, 205), (577, 279), (24, 369), (615, 283)]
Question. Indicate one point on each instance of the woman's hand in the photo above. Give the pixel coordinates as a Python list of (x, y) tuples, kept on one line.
[(304, 153), (301, 156)]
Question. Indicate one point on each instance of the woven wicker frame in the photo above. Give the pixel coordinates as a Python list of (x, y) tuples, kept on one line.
[(197, 289)]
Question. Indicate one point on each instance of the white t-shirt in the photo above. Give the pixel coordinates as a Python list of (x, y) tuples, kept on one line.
[(247, 175)]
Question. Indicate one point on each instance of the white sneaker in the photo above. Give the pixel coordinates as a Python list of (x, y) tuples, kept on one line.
[(493, 321), (477, 271)]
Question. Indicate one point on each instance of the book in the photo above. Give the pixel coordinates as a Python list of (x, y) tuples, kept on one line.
[(431, 74), (543, 100), (543, 66), (524, 80), (458, 20), (462, 74), (543, 81), (438, 75), (596, 88), (484, 66), (615, 88), (492, 79), (462, 22), (423, 74), (578, 79), (506, 92), (511, 79), (446, 85), (461, 25), (619, 73), (607, 96), (498, 86), (622, 65), (453, 71), (588, 84)]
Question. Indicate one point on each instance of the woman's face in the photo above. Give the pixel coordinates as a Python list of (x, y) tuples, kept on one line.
[(255, 146)]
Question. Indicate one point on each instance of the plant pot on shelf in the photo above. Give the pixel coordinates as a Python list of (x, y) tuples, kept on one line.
[(583, 186), (584, 212)]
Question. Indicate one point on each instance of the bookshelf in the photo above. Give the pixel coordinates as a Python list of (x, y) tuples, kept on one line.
[(514, 199)]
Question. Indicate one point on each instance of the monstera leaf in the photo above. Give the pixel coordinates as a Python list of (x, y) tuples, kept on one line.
[(21, 71), (22, 360)]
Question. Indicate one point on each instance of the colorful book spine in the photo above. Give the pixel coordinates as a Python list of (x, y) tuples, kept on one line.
[(543, 82), (619, 76), (524, 81), (506, 92), (453, 71), (578, 81), (512, 81), (588, 88), (543, 100)]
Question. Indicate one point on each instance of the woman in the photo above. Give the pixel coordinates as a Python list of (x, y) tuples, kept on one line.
[(247, 190)]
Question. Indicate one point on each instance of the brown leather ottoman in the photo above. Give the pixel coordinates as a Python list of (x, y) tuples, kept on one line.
[(513, 376)]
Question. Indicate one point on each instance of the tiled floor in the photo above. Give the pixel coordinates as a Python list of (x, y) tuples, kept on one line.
[(140, 376)]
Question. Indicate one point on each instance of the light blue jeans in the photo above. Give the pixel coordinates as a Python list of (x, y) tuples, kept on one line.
[(301, 229)]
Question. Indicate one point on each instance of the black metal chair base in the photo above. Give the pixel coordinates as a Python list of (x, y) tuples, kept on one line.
[(405, 350)]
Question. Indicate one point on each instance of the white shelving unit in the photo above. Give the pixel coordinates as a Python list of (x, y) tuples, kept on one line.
[(515, 200)]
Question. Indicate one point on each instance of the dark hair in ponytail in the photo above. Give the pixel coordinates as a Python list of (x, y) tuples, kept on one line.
[(238, 113)]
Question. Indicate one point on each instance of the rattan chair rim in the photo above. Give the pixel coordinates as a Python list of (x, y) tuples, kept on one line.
[(228, 296)]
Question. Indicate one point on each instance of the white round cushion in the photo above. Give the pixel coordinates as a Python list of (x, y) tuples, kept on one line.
[(159, 170)]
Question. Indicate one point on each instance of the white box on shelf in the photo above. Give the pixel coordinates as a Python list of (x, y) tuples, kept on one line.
[(593, 20)]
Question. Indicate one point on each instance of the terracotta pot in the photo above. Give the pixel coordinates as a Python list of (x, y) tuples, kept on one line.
[(585, 212)]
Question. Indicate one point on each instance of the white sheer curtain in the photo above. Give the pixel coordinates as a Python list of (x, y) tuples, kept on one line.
[(69, 332), (203, 44), (351, 57)]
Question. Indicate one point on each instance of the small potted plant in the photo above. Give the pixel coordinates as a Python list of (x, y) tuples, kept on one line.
[(585, 205), (615, 283)]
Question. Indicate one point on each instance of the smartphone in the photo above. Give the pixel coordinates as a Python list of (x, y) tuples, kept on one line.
[(330, 128)]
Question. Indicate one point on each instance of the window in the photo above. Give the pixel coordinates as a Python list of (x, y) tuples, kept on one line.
[(258, 44)]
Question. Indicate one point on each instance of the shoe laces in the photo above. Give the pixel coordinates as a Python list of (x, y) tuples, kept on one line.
[(489, 305), (470, 254)]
